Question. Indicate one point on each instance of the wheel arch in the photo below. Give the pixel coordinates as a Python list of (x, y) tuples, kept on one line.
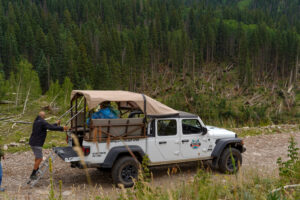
[(117, 152), (222, 144)]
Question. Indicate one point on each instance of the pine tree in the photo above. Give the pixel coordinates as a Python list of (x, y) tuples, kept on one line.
[(144, 36), (104, 79), (43, 70), (30, 43), (221, 40), (192, 23), (3, 86), (116, 74), (10, 51), (84, 67), (67, 89)]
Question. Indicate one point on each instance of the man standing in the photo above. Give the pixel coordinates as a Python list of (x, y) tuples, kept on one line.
[(37, 139), (1, 156)]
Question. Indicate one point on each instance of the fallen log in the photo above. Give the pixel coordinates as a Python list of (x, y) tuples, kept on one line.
[(6, 102), (17, 122), (285, 187), (5, 118)]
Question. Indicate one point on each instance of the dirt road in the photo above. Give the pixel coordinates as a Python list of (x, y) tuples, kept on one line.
[(262, 153)]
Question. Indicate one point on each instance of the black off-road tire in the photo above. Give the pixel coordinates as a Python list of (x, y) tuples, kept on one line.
[(225, 162), (124, 170)]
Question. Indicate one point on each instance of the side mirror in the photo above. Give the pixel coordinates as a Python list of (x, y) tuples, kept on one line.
[(204, 130)]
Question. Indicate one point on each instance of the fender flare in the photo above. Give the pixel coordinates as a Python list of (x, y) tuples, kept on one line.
[(221, 144), (116, 151)]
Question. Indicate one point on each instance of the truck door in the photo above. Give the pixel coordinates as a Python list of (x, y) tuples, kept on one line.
[(192, 140), (167, 139)]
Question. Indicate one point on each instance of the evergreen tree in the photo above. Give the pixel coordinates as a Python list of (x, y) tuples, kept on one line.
[(43, 70), (79, 39), (3, 86), (84, 67), (66, 87)]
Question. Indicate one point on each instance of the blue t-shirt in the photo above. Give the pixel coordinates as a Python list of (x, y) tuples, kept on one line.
[(105, 113)]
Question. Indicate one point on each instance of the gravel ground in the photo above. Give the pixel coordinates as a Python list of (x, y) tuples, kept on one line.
[(262, 153)]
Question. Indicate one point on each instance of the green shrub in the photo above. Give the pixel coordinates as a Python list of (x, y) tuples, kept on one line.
[(289, 170)]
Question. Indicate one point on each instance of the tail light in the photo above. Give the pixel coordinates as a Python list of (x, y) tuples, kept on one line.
[(86, 150)]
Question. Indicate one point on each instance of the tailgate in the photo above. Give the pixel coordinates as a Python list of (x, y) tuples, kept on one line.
[(66, 153)]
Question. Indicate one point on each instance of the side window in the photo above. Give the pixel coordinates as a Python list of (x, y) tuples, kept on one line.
[(166, 127), (152, 128), (191, 126)]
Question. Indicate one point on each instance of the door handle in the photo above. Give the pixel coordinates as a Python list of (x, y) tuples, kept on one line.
[(183, 141), (162, 142)]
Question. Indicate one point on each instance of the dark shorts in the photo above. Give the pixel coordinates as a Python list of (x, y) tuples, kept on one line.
[(37, 151)]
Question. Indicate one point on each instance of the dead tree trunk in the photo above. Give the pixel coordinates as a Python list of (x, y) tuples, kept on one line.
[(194, 67), (18, 90), (296, 69), (27, 96), (48, 73)]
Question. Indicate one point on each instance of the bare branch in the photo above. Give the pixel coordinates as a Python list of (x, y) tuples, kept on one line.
[(285, 187)]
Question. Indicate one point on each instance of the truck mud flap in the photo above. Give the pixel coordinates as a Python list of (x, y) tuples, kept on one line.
[(67, 154)]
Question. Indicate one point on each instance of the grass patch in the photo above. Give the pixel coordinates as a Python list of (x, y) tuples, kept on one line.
[(15, 132), (266, 130)]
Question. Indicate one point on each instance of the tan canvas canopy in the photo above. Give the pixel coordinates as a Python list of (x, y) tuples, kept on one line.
[(153, 107)]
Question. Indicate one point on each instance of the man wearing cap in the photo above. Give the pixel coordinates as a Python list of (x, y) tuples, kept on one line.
[(38, 137)]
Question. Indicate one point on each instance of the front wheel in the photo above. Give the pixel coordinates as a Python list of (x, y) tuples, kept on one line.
[(124, 171), (230, 160)]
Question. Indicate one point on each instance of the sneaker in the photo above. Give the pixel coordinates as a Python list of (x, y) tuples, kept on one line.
[(33, 177), (37, 173), (2, 189)]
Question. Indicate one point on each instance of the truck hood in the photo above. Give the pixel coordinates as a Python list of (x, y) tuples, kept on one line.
[(217, 133)]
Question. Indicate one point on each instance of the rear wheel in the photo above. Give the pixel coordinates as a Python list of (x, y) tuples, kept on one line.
[(230, 160), (124, 171)]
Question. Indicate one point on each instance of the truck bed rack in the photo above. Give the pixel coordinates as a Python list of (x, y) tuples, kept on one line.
[(115, 129)]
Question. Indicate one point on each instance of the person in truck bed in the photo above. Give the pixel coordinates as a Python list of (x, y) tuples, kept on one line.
[(38, 137), (106, 112)]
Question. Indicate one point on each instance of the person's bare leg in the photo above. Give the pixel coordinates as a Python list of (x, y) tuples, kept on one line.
[(37, 163)]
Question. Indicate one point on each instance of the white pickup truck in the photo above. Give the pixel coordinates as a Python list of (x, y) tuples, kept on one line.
[(165, 135)]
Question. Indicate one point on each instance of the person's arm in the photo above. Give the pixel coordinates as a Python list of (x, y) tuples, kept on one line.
[(56, 124), (53, 127)]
